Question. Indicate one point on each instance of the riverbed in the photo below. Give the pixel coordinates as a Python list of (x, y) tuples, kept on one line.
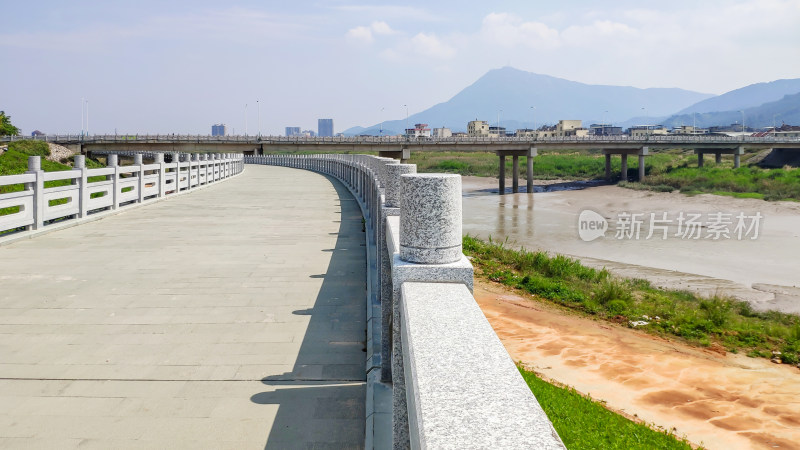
[(745, 248)]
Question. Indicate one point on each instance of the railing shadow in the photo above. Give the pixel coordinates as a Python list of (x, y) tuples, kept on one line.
[(321, 402)]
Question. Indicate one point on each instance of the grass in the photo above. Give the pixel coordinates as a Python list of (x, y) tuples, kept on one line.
[(583, 423), (665, 171), (723, 322), (744, 182)]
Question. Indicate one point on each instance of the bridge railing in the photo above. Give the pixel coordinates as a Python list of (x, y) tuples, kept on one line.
[(369, 140), (429, 347), (37, 200)]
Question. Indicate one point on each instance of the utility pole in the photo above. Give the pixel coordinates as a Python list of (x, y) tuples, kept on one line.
[(245, 120), (258, 105)]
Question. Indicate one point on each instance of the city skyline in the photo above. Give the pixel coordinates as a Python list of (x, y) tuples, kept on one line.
[(146, 68)]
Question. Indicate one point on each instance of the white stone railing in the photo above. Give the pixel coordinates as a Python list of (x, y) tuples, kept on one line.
[(89, 191), (452, 383)]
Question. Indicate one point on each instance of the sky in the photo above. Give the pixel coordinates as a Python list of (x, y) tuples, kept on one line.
[(181, 66)]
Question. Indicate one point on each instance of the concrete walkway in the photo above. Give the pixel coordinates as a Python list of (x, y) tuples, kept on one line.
[(231, 317)]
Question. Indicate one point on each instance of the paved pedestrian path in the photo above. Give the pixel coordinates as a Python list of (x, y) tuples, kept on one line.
[(229, 317)]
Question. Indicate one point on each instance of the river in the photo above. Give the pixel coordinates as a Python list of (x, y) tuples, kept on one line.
[(759, 262)]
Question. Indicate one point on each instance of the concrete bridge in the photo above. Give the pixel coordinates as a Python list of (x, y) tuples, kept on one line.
[(210, 306), (401, 148)]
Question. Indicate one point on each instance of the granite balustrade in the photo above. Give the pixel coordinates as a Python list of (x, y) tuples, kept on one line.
[(437, 374), (32, 204)]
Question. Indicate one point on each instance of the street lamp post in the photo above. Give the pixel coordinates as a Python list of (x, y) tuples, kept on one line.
[(774, 127), (406, 121), (533, 116), (743, 132), (380, 132), (258, 106), (245, 120), (83, 115), (603, 125)]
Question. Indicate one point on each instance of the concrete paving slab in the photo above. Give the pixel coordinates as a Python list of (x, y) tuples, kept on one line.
[(233, 317)]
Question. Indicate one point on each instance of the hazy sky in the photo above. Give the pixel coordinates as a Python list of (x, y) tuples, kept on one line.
[(181, 66)]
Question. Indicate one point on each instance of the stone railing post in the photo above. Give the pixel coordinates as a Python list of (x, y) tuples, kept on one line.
[(176, 158), (430, 218), (113, 161), (83, 181), (162, 172), (35, 168), (430, 235), (139, 161), (391, 207)]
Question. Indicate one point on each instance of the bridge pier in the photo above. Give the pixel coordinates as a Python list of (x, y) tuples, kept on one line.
[(515, 174), (624, 152), (624, 171), (737, 152), (515, 154), (502, 187)]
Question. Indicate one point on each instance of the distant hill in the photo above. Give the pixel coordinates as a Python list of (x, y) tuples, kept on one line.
[(515, 92), (785, 110), (746, 97)]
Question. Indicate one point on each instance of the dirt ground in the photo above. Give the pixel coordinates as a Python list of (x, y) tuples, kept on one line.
[(715, 400)]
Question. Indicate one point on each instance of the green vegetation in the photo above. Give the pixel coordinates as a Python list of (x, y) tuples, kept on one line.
[(666, 171), (568, 165), (586, 424), (14, 161), (6, 128), (744, 182), (724, 322)]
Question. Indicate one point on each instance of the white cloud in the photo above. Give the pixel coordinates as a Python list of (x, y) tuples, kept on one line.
[(431, 46), (509, 30), (366, 34), (359, 35)]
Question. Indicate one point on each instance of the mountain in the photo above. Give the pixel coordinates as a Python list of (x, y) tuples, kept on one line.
[(787, 110), (746, 97), (512, 95)]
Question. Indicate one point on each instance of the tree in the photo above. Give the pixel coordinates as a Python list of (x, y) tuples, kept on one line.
[(6, 129)]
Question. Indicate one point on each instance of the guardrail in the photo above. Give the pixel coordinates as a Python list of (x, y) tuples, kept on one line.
[(366, 140), (429, 347), (37, 199)]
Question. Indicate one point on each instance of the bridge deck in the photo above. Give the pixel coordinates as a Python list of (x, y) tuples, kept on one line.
[(231, 317)]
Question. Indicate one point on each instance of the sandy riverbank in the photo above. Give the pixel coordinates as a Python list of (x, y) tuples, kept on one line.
[(763, 271), (719, 401)]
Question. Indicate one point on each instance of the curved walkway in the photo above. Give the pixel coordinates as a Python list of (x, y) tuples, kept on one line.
[(232, 317)]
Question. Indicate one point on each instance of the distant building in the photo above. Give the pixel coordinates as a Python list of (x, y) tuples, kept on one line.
[(497, 131), (525, 132), (308, 133), (604, 129), (564, 128), (292, 131), (420, 130), (219, 130), (325, 127), (37, 133), (442, 133), (479, 128), (688, 130), (460, 134), (647, 130)]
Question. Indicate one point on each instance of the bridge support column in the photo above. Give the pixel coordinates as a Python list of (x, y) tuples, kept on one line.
[(737, 157), (529, 168), (699, 159), (608, 166), (624, 171), (718, 157), (502, 178), (641, 167), (644, 151), (515, 174)]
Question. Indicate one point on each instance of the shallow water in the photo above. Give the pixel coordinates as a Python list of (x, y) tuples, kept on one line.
[(764, 271)]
